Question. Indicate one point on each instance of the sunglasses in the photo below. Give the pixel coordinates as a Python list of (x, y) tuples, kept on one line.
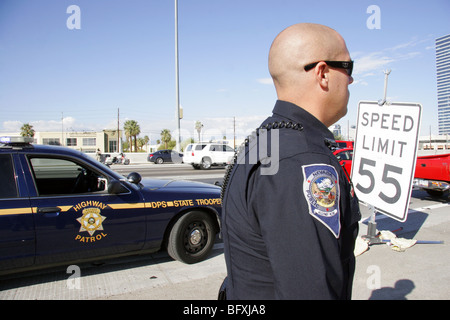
[(347, 65)]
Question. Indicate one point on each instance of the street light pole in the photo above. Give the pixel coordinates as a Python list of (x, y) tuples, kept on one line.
[(177, 80)]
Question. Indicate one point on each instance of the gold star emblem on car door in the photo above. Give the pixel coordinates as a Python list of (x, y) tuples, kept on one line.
[(91, 220)]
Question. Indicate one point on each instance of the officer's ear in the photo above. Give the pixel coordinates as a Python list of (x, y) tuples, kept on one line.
[(321, 72)]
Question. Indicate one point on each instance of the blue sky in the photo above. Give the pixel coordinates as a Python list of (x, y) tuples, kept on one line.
[(123, 57)]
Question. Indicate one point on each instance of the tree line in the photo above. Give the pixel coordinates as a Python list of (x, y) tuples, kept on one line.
[(132, 130), (132, 143)]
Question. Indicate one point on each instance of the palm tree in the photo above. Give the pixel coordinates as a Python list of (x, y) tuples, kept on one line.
[(132, 130), (166, 137), (142, 142), (27, 130), (127, 129), (146, 140)]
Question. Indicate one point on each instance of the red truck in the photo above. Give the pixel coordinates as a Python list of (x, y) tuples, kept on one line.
[(432, 172)]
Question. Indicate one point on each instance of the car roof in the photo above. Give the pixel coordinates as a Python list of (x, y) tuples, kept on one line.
[(40, 149)]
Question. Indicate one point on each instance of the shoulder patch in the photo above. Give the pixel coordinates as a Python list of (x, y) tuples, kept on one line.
[(321, 190)]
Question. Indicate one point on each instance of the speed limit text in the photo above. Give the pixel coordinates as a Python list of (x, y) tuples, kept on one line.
[(385, 121)]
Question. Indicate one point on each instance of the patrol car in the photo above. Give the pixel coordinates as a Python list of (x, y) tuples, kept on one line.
[(59, 206)]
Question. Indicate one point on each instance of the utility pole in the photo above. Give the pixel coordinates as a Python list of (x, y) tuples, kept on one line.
[(177, 80), (62, 128), (118, 131)]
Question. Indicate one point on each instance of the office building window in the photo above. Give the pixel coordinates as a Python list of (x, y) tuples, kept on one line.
[(51, 141), (71, 142), (113, 146), (89, 141)]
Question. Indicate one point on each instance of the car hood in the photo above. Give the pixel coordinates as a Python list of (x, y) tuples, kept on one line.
[(155, 184)]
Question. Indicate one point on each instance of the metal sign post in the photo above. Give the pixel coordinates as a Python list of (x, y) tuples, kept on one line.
[(371, 235), (384, 158)]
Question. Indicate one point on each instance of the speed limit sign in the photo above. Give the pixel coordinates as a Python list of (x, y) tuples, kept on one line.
[(385, 155)]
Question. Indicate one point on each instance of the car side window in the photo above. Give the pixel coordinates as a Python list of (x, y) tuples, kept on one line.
[(343, 155), (8, 186), (57, 176), (200, 146)]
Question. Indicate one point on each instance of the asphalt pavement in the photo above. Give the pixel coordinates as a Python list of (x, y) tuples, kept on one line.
[(421, 272)]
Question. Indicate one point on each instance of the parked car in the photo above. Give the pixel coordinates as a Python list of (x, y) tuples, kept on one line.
[(345, 144), (433, 174), (61, 206), (345, 157), (163, 156), (205, 155)]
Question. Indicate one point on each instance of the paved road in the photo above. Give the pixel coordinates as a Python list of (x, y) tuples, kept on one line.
[(172, 171), (420, 272)]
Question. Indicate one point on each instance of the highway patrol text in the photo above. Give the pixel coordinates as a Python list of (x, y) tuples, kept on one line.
[(184, 203)]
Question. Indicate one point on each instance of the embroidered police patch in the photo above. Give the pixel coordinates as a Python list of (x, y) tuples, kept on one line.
[(321, 190)]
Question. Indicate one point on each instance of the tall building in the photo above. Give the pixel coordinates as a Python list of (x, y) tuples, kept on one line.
[(443, 83)]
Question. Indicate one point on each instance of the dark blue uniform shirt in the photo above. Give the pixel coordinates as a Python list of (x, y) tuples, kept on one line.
[(290, 218)]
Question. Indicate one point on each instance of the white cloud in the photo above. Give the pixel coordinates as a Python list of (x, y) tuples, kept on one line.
[(372, 63), (361, 82), (265, 80), (69, 124), (12, 126)]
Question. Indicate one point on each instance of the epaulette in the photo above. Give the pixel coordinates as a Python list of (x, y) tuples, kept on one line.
[(331, 144)]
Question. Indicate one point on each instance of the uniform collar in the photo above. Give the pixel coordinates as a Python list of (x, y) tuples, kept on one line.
[(298, 114)]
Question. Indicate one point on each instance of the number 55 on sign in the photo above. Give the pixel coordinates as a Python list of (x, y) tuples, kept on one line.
[(385, 155)]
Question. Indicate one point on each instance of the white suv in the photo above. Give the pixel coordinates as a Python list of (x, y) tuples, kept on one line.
[(204, 155)]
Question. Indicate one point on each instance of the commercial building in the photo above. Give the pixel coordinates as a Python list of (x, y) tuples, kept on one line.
[(443, 83), (107, 141)]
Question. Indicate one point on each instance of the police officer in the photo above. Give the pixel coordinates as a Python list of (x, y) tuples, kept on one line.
[(290, 218)]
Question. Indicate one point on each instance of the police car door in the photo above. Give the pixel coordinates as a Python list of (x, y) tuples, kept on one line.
[(76, 217), (17, 238)]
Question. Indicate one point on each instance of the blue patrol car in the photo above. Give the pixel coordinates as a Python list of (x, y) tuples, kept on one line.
[(60, 206)]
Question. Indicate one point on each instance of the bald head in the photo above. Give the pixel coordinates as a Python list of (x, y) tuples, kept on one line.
[(297, 46)]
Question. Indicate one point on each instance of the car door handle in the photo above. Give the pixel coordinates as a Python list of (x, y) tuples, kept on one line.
[(49, 211)]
